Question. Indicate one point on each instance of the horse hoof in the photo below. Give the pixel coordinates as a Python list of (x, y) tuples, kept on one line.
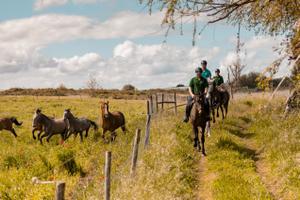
[(203, 154)]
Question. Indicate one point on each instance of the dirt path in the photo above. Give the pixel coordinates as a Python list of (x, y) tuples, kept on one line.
[(205, 178)]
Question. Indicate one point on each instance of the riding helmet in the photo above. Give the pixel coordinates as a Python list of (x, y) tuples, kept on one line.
[(203, 62)]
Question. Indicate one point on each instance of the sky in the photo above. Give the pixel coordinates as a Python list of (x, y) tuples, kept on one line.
[(46, 43)]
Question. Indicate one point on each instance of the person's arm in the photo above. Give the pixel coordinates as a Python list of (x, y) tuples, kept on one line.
[(191, 92), (222, 80), (191, 85)]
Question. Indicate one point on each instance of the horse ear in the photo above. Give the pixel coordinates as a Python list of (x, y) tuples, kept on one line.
[(38, 111)]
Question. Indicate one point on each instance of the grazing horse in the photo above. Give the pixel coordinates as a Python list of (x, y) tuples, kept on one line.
[(219, 99), (7, 124), (78, 125), (199, 119), (49, 125), (111, 120)]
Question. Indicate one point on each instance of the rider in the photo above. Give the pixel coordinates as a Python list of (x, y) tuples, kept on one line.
[(198, 85), (218, 79)]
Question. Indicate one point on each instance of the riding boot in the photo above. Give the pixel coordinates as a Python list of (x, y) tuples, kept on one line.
[(188, 109)]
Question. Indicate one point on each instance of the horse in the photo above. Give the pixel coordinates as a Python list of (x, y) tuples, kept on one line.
[(198, 119), (78, 125), (111, 120), (49, 125), (219, 99), (7, 124)]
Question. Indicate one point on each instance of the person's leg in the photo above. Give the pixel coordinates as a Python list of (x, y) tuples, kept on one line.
[(188, 109)]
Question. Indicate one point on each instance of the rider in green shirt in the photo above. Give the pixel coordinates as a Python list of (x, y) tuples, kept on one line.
[(198, 85), (218, 79), (205, 72)]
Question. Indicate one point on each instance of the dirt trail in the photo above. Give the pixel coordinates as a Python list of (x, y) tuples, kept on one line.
[(205, 178)]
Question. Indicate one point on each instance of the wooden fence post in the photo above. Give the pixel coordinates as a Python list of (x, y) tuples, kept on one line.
[(107, 175), (151, 105), (162, 101), (175, 103), (156, 101), (60, 190), (135, 151), (148, 122)]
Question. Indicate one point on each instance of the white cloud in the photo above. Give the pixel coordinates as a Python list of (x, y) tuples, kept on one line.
[(258, 53), (43, 4), (145, 66)]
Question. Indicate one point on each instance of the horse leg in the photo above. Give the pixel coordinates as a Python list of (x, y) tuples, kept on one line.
[(113, 136), (218, 111), (87, 132), (123, 128), (39, 134), (13, 132), (103, 133), (222, 111), (33, 134), (203, 140), (196, 137), (213, 114), (41, 138), (81, 136), (49, 137)]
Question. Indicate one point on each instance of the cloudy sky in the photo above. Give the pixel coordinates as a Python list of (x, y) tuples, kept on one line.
[(44, 43)]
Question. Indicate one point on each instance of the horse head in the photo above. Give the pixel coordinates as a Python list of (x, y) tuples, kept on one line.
[(199, 103), (105, 108), (68, 114)]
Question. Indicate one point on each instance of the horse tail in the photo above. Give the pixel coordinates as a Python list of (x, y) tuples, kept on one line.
[(94, 125), (15, 121)]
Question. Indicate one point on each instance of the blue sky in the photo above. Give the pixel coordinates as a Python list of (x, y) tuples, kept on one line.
[(45, 43)]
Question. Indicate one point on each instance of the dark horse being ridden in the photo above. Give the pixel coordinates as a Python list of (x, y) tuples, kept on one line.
[(199, 119), (50, 126), (111, 120), (219, 98), (78, 125), (7, 124)]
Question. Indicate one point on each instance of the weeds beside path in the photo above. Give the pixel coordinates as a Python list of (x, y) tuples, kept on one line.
[(252, 155)]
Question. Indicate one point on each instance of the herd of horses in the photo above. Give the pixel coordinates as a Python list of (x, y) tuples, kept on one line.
[(69, 124), (110, 121)]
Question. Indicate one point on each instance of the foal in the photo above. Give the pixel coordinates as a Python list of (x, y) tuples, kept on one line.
[(7, 124)]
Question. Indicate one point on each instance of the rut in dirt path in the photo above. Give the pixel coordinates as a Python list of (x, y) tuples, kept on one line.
[(262, 169)]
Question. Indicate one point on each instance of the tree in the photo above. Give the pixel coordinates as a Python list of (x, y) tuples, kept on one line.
[(92, 84), (249, 80), (128, 87), (265, 16)]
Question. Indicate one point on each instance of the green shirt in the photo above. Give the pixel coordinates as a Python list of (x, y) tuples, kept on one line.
[(206, 74), (218, 80), (198, 85)]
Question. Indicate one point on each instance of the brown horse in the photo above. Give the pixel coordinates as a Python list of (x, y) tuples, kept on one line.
[(111, 121), (219, 99), (199, 119), (7, 124)]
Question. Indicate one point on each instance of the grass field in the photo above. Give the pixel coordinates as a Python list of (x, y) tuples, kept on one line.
[(253, 154)]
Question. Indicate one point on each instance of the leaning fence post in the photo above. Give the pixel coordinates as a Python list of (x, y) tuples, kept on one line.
[(135, 151), (60, 190), (107, 170), (151, 105), (147, 134)]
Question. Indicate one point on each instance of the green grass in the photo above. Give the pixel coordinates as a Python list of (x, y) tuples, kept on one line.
[(169, 168)]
